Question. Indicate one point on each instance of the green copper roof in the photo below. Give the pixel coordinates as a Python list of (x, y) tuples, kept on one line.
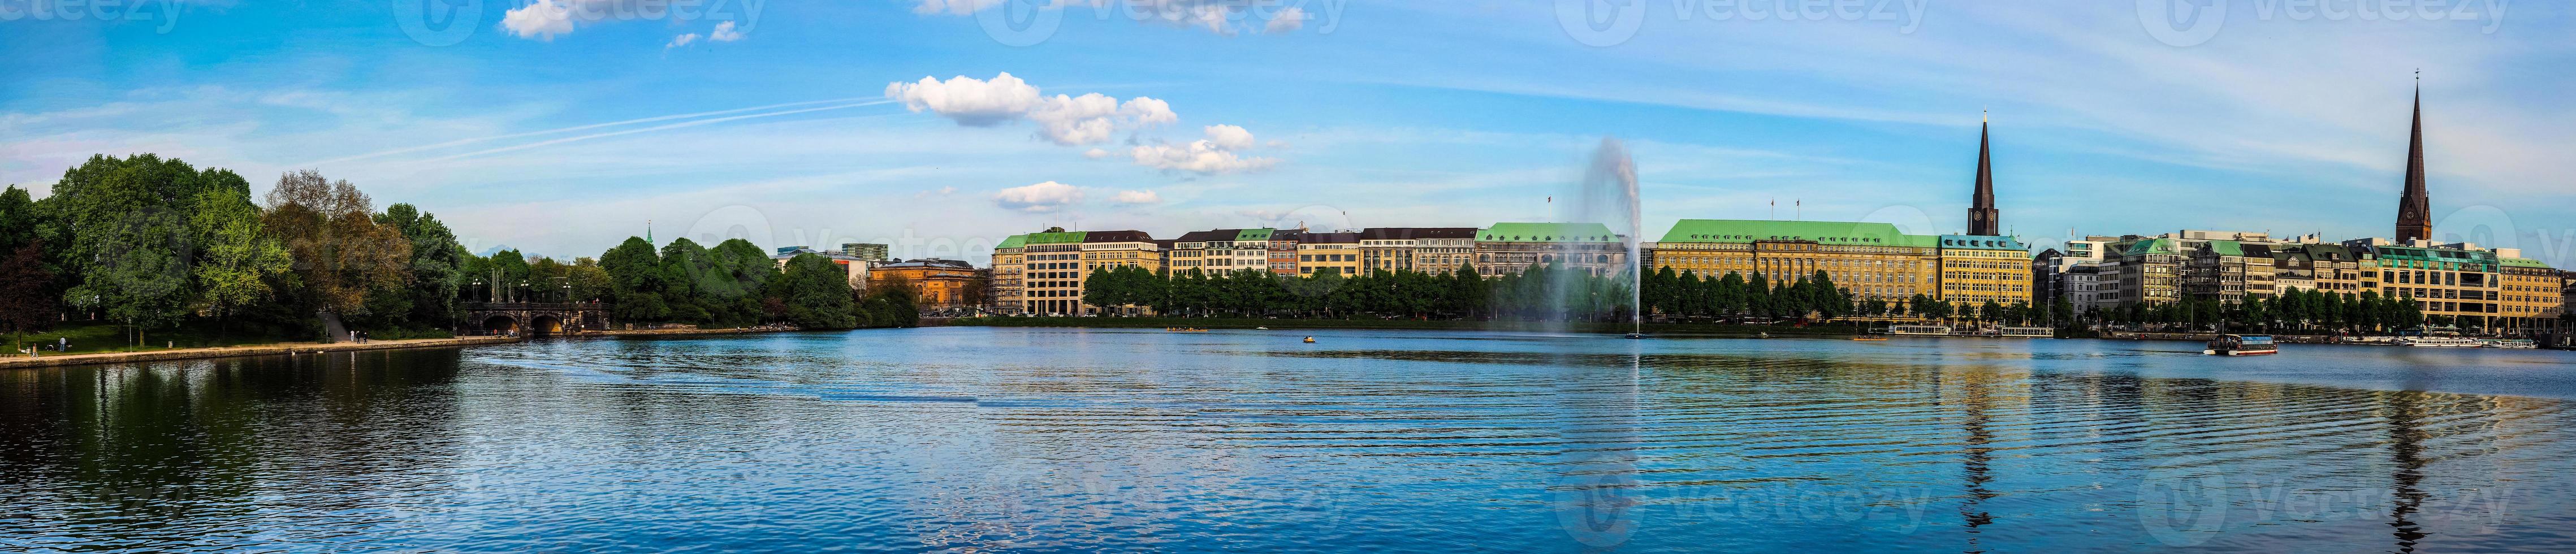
[(2227, 248), (1982, 242), (1547, 232), (1825, 232), (2519, 262), (1253, 234), (1068, 237), (1016, 241), (2152, 246)]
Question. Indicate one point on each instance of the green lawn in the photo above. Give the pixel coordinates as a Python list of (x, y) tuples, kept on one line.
[(97, 337)]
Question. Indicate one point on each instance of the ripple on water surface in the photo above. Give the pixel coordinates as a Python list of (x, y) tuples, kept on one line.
[(1043, 440)]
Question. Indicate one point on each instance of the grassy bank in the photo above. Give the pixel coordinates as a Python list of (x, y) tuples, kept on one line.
[(99, 337), (1438, 325)]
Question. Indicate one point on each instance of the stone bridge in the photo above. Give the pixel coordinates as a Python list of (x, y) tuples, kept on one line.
[(534, 318)]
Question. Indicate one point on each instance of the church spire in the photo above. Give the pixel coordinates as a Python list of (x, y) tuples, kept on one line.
[(2415, 206), (1982, 218)]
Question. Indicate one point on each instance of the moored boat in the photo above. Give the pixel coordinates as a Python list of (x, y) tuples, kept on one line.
[(2440, 342), (2242, 345), (2511, 344)]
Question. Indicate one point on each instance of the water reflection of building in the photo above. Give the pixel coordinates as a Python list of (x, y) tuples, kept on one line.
[(1974, 398)]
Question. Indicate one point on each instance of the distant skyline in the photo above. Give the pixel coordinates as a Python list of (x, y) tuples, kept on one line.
[(561, 127)]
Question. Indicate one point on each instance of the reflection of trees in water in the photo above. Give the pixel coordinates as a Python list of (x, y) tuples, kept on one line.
[(169, 454)]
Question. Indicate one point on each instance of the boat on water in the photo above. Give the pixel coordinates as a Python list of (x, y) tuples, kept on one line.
[(2441, 342), (2242, 345), (2510, 344), (1869, 338), (1310, 340), (2026, 332), (1185, 329), (1919, 330)]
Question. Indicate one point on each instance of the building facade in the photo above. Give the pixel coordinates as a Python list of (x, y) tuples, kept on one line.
[(1222, 251), (1043, 273), (1874, 261), (1515, 247), (2530, 295), (1976, 269), (1009, 293), (1335, 252), (939, 285), (1427, 249)]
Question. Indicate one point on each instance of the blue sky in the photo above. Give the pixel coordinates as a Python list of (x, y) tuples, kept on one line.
[(562, 127)]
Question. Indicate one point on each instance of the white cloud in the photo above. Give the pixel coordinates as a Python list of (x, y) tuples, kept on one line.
[(1137, 197), (1038, 198), (682, 40), (724, 32), (1066, 120), (1095, 153), (1221, 17), (542, 20), (953, 7), (969, 101), (1212, 155), (1229, 137), (1288, 20)]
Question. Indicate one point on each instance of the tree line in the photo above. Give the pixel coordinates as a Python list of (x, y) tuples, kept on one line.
[(1538, 293), (2294, 310), (737, 284), (152, 244)]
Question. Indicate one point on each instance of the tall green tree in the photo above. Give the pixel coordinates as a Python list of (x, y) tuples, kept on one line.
[(816, 293), (635, 273), (690, 281), (24, 307), (341, 255), (438, 268), (127, 229), (241, 259)]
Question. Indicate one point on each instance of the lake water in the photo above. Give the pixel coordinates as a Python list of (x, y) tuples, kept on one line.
[(1039, 440)]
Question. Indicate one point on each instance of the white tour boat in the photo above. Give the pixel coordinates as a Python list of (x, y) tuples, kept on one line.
[(2242, 345), (2440, 342)]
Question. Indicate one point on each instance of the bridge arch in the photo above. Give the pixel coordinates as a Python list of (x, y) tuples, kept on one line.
[(545, 324), (534, 319)]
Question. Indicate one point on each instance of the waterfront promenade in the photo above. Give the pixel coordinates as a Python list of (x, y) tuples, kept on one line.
[(284, 348)]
